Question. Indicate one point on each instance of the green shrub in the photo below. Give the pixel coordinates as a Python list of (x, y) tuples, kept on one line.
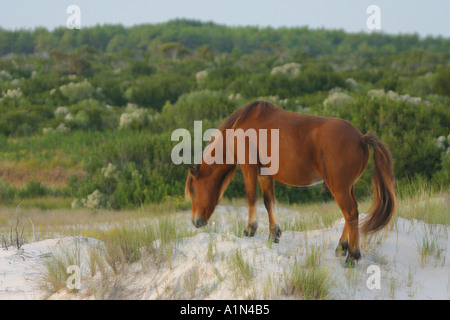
[(33, 189), (7, 192), (143, 172), (78, 91)]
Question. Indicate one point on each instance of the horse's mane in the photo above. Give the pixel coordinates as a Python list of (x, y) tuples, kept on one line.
[(242, 113), (231, 122)]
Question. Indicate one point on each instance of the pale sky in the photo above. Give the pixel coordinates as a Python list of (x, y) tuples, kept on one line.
[(425, 17)]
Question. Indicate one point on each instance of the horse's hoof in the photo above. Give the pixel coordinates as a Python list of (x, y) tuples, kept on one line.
[(249, 233), (273, 238), (276, 234), (352, 258), (342, 249), (251, 230)]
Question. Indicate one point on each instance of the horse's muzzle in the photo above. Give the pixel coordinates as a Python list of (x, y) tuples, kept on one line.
[(199, 222)]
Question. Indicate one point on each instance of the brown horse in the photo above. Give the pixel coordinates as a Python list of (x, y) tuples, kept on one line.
[(311, 149)]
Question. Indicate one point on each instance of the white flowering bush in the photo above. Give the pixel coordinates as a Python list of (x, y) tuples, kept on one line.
[(394, 96), (274, 99), (135, 117), (351, 83), (88, 114), (125, 120), (96, 200), (442, 177), (235, 97), (15, 82), (376, 93), (117, 187), (4, 75), (12, 93), (201, 76), (47, 130), (77, 203), (69, 117), (291, 69), (443, 143), (61, 111), (110, 171), (336, 99), (61, 128), (77, 91)]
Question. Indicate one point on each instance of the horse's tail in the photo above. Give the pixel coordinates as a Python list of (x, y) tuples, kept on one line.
[(383, 181)]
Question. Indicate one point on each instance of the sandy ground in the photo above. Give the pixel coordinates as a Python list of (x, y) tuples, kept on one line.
[(195, 274), (20, 270)]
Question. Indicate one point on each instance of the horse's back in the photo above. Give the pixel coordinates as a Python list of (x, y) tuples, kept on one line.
[(311, 148)]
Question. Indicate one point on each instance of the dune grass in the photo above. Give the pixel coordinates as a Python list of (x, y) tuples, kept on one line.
[(54, 272), (309, 280), (153, 232), (241, 270)]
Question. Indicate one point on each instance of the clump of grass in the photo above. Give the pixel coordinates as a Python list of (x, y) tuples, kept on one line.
[(218, 274), (408, 188), (55, 267), (430, 246), (309, 280), (392, 288), (16, 236), (121, 245), (311, 217), (238, 226), (212, 250), (191, 281), (127, 243), (421, 201), (242, 272), (271, 288)]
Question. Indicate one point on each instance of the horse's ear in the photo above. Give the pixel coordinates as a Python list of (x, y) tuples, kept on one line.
[(194, 171)]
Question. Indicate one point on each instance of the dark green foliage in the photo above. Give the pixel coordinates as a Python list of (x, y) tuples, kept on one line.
[(33, 189), (155, 90), (441, 84), (110, 97), (142, 170)]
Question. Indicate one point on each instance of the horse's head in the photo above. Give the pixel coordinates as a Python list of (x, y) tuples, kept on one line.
[(199, 188), (205, 187)]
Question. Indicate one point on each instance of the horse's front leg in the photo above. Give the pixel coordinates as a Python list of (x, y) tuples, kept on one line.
[(250, 174), (342, 247), (268, 190)]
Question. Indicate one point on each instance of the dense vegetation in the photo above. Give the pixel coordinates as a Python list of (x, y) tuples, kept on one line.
[(100, 103)]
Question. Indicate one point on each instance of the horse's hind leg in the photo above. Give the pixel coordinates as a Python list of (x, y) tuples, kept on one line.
[(349, 208), (342, 247), (250, 175), (268, 190)]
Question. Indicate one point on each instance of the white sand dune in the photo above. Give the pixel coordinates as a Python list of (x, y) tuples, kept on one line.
[(20, 270), (196, 274)]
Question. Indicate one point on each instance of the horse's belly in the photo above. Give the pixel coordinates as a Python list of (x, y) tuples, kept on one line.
[(314, 183), (298, 178)]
